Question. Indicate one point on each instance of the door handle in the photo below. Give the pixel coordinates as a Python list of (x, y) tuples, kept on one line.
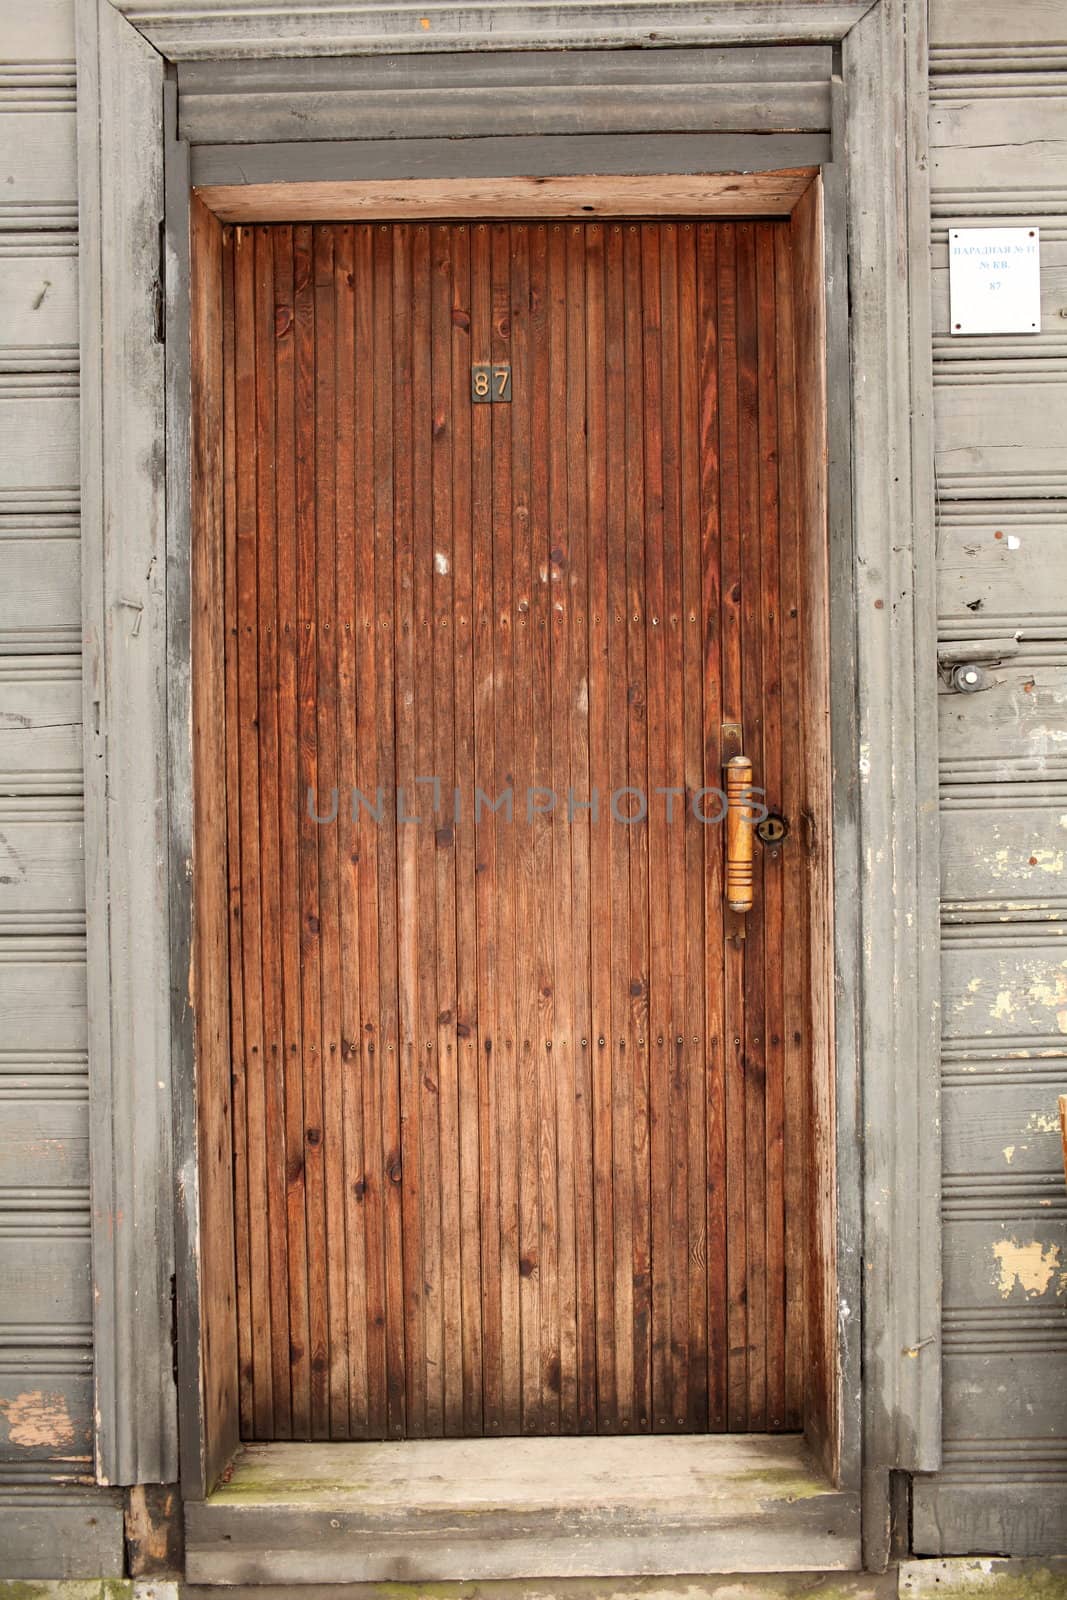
[(739, 833)]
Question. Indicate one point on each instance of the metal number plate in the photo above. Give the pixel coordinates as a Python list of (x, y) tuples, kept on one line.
[(490, 385)]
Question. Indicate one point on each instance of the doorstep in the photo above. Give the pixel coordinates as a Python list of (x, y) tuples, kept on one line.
[(436, 1510)]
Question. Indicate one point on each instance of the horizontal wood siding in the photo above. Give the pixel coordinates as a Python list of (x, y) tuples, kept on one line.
[(52, 1527), (999, 158)]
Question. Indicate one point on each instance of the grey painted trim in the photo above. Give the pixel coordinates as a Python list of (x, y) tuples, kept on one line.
[(192, 1441), (846, 843), (546, 91), (896, 707), (189, 30), (561, 155), (122, 528)]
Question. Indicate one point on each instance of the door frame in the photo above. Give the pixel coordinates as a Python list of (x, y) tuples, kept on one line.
[(139, 818)]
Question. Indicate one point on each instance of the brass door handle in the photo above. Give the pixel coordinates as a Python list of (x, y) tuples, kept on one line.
[(738, 772)]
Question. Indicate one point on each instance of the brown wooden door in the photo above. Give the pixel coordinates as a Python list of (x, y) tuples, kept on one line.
[(518, 1109)]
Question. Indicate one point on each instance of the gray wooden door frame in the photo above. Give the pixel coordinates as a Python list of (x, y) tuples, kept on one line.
[(138, 785)]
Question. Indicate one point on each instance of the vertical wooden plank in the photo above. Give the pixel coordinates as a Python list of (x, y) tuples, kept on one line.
[(598, 1057), (290, 807), (233, 831), (310, 905), (681, 1042), (389, 531), (487, 631), (444, 639), (210, 932), (248, 711), (266, 824), (752, 724), (731, 709), (636, 829), (331, 1128), (506, 1062), (649, 775), (770, 779), (348, 1064), (574, 579), (467, 612), (385, 1376), (426, 1063), (611, 1032), (702, 935), (406, 638), (794, 1025), (528, 976), (559, 1152)]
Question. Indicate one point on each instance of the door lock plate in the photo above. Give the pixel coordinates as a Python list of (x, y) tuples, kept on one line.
[(773, 829)]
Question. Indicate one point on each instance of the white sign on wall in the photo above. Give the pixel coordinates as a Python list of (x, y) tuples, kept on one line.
[(994, 280)]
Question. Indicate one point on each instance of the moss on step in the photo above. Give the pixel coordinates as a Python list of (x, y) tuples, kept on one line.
[(66, 1589)]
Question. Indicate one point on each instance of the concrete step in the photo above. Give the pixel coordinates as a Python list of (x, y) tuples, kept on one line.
[(464, 1509)]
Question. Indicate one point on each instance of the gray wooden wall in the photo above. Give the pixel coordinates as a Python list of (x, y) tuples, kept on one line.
[(54, 1522), (999, 137), (998, 131)]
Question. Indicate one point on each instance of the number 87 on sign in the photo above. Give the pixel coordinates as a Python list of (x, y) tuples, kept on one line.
[(490, 384)]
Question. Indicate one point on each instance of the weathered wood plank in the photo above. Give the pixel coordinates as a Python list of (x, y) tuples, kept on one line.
[(459, 96), (42, 874), (46, 1415), (773, 193), (1011, 1263), (1009, 1130), (881, 566), (38, 169), (39, 466), (1000, 859), (1004, 985), (125, 698), (1000, 437), (955, 24), (44, 1144), (996, 144), (185, 31), (40, 725), (216, 1329), (46, 1285), (46, 34), (1013, 729), (38, 312), (40, 604), (994, 569)]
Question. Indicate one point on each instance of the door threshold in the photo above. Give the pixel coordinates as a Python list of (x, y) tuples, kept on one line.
[(435, 1510)]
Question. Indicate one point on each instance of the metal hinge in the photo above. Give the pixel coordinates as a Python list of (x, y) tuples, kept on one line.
[(174, 1327)]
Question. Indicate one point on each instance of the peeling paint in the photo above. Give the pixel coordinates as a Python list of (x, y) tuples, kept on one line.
[(37, 1420), (1009, 1152), (1042, 1122), (1003, 1006), (1031, 1266)]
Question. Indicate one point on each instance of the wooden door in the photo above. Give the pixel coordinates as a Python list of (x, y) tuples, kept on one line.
[(518, 1108)]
